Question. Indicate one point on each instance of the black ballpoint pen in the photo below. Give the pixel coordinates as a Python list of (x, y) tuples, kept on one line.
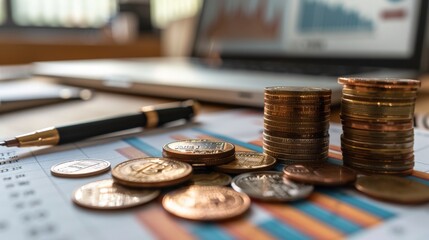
[(149, 117)]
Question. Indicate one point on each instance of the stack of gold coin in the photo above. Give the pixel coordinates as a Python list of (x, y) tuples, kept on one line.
[(296, 124), (200, 152), (377, 118)]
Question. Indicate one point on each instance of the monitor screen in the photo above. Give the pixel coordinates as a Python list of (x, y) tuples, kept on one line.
[(309, 28)]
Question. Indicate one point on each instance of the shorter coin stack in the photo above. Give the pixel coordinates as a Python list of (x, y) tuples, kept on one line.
[(377, 118), (200, 152), (296, 124)]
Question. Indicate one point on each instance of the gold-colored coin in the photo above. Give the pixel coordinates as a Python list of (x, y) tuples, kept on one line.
[(376, 92), (296, 97), (287, 162), (398, 98), (297, 157), (393, 189), (295, 150), (378, 157), (151, 172), (210, 179), (367, 171), (206, 203), (362, 125), (378, 103), (375, 134), (282, 100), (395, 100), (310, 146), (376, 112), (206, 162), (106, 194), (375, 151), (296, 114), (382, 145), (298, 118), (379, 166), (301, 91), (380, 82), (302, 135), (375, 118), (248, 161), (316, 124), (297, 108), (294, 140), (378, 139), (80, 168), (199, 148), (299, 130)]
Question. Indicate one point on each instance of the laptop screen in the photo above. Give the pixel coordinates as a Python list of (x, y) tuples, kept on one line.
[(310, 29)]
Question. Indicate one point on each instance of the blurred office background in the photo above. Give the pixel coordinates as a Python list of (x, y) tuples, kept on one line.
[(37, 30)]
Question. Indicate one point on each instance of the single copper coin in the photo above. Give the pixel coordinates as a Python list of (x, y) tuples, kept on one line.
[(151, 172), (199, 148), (389, 83), (106, 194), (210, 179), (324, 174), (206, 203), (248, 161), (393, 189), (80, 168)]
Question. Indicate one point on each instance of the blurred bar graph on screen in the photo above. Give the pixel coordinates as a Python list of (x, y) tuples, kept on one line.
[(324, 17)]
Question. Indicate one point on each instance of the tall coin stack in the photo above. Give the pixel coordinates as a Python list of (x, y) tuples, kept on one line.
[(296, 124), (377, 118)]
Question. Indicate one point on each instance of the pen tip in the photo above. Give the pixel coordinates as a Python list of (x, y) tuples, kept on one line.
[(9, 143)]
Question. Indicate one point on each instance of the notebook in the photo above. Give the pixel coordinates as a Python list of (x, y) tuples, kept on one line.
[(242, 46)]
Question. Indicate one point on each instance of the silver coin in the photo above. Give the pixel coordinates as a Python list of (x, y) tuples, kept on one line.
[(106, 194), (270, 186), (80, 168)]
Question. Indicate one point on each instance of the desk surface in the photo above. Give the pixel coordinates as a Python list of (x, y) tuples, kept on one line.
[(331, 214)]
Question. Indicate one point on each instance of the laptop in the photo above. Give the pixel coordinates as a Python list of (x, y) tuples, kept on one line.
[(240, 47)]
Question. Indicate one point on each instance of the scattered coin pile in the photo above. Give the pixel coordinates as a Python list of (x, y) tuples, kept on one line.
[(377, 118), (137, 181), (296, 124), (205, 195)]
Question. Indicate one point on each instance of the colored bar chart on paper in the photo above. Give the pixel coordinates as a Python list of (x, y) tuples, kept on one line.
[(329, 213)]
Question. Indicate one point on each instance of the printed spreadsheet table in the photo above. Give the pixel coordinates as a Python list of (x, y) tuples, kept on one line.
[(37, 205)]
